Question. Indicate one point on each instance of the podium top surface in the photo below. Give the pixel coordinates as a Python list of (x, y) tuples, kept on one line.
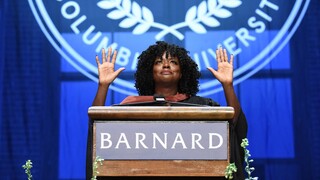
[(161, 112)]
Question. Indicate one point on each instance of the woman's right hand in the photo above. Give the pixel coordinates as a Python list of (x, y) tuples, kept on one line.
[(106, 71)]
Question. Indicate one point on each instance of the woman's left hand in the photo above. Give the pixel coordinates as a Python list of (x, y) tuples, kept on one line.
[(224, 74)]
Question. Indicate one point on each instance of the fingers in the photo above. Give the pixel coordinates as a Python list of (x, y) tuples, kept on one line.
[(225, 55), (231, 59), (109, 54), (119, 70), (97, 60), (213, 71), (222, 55), (218, 55), (114, 57), (103, 55), (107, 57)]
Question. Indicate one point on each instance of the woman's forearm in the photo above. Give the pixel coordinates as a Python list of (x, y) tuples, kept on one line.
[(232, 100), (101, 95)]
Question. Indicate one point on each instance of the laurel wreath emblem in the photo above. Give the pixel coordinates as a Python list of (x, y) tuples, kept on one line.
[(142, 19)]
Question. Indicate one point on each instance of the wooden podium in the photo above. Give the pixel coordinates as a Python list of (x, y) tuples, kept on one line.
[(132, 127)]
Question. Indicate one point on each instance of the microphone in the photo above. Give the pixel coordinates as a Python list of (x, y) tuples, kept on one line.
[(159, 98)]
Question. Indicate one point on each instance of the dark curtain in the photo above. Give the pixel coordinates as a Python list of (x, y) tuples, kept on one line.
[(29, 95), (306, 87)]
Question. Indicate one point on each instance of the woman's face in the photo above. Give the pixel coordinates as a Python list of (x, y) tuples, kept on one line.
[(166, 70)]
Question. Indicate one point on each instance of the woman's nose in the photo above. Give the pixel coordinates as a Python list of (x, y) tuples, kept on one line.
[(165, 63)]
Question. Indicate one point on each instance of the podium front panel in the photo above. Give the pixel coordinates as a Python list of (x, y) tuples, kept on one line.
[(180, 145), (161, 140)]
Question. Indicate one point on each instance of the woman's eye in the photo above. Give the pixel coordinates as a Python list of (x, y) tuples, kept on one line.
[(158, 62)]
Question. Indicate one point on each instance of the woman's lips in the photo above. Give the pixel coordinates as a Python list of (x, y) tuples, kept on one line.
[(166, 72)]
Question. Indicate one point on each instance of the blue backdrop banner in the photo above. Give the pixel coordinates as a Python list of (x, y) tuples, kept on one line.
[(49, 76)]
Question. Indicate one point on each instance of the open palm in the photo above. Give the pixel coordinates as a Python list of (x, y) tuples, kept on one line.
[(106, 71), (224, 73)]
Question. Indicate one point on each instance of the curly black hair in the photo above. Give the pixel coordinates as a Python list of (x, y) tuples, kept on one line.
[(144, 83)]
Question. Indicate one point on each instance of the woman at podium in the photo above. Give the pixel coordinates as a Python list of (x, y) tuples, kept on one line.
[(167, 72)]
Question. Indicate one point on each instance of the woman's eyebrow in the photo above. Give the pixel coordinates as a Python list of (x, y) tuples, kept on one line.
[(173, 58)]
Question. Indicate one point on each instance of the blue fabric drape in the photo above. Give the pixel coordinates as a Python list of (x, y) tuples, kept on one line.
[(29, 90), (37, 104)]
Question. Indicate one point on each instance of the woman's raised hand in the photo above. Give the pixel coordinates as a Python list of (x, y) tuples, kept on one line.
[(224, 74), (106, 71)]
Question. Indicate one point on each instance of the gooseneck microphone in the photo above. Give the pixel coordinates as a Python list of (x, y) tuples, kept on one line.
[(159, 98)]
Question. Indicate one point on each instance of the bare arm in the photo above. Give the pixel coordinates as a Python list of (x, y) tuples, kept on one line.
[(106, 76), (224, 74)]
